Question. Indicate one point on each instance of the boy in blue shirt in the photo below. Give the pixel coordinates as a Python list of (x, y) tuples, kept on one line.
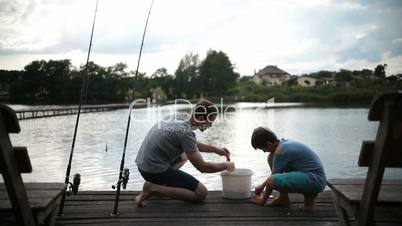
[(295, 168)]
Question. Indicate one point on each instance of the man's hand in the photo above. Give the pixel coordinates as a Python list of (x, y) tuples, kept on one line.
[(224, 152), (230, 166)]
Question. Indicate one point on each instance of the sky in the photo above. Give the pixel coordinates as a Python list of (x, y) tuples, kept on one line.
[(299, 36)]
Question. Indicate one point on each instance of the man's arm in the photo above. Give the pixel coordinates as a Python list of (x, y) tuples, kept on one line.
[(212, 149), (208, 167)]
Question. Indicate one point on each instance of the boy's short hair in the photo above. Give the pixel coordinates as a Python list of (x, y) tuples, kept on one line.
[(205, 108), (261, 135)]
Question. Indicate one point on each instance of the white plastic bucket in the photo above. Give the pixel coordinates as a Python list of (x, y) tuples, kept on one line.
[(236, 184)]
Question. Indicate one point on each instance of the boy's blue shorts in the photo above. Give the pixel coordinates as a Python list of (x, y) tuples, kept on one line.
[(298, 182)]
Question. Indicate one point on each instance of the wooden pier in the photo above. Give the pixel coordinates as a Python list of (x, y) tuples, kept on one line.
[(94, 208), (72, 110), (59, 111)]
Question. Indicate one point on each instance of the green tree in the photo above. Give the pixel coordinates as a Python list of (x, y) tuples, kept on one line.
[(324, 74), (186, 82), (162, 79), (140, 86), (217, 76), (106, 84), (118, 70), (43, 81), (7, 78), (379, 71), (365, 73), (292, 81), (343, 76)]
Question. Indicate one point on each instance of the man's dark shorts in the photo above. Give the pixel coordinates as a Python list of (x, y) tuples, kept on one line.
[(172, 178)]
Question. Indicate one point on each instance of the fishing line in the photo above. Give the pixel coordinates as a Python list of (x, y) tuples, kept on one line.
[(124, 172), (84, 88)]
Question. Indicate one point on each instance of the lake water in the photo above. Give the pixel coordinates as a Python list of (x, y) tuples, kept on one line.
[(335, 134)]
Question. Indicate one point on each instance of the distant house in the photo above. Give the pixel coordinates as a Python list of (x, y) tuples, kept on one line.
[(306, 81), (271, 75)]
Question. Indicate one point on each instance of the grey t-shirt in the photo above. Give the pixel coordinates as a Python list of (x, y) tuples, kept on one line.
[(165, 142)]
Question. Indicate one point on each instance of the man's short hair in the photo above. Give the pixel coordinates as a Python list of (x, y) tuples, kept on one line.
[(262, 135), (205, 108)]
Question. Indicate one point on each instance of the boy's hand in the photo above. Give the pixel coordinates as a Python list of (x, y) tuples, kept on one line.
[(223, 151), (259, 189), (230, 166)]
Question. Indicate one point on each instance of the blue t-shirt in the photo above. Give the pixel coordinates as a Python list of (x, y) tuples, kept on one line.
[(293, 156)]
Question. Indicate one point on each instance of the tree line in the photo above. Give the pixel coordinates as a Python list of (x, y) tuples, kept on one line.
[(58, 82)]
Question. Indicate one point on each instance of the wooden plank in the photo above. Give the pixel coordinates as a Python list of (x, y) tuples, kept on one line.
[(388, 195), (37, 200), (204, 222), (38, 186), (357, 181), (393, 159), (42, 201), (366, 153), (105, 195), (24, 164), (206, 207), (191, 221), (211, 194)]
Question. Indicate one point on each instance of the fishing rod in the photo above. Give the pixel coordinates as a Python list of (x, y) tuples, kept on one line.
[(84, 88), (124, 172)]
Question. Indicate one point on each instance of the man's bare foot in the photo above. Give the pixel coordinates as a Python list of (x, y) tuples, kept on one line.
[(278, 202), (138, 201), (144, 195)]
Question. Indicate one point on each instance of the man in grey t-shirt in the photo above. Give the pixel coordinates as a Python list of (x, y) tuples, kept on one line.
[(168, 145)]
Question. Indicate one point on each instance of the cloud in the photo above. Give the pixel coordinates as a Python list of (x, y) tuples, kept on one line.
[(304, 35)]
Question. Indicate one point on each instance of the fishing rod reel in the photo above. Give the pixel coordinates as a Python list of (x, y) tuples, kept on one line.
[(124, 179), (73, 187)]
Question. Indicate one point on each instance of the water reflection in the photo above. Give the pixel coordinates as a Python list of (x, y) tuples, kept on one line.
[(335, 134)]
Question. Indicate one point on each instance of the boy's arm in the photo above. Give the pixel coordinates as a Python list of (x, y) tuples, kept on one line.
[(279, 162), (260, 188), (260, 200)]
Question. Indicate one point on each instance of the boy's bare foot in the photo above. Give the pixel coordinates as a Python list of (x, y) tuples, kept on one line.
[(308, 202), (258, 199), (144, 195), (278, 202)]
